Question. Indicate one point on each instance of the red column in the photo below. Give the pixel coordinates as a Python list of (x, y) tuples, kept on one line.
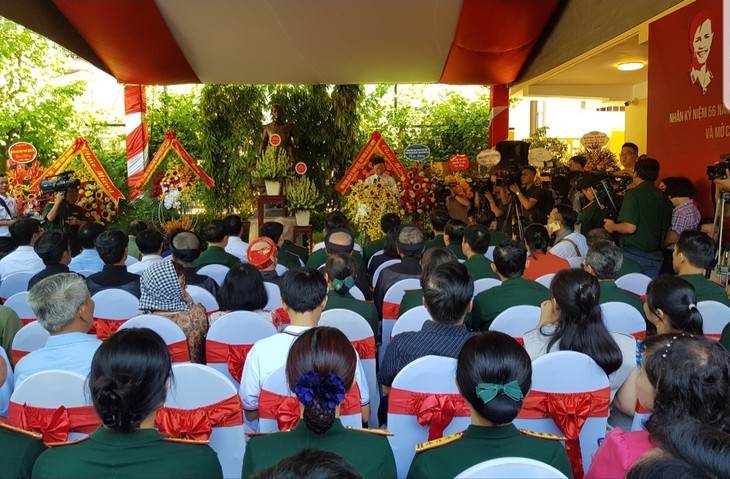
[(499, 126)]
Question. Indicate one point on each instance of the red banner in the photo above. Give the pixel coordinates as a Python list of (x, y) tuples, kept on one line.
[(376, 144)]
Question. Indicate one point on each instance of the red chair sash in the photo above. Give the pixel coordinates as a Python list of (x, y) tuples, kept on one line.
[(390, 310), (280, 318), (54, 424), (198, 423), (569, 411), (715, 336), (433, 410), (365, 347), (640, 335), (18, 355), (106, 327), (179, 352), (641, 409), (27, 321), (520, 340), (234, 355)]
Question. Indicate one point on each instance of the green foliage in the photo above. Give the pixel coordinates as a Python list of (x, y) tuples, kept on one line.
[(178, 113), (302, 194), (555, 146), (274, 165)]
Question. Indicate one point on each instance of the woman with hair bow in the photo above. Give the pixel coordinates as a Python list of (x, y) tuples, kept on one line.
[(320, 369), (340, 272), (494, 374)]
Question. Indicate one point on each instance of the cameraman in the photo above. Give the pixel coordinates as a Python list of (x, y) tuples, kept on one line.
[(644, 219), (530, 195), (457, 204), (65, 215)]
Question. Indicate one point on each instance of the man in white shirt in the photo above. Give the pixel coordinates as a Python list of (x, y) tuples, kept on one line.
[(64, 307), (236, 246), (149, 243), (8, 214), (303, 297), (25, 233), (88, 259), (378, 164), (568, 243)]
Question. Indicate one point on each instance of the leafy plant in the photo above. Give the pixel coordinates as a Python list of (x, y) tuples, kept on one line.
[(274, 165), (302, 194), (555, 146)]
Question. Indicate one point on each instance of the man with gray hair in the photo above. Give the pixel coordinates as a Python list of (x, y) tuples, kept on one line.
[(410, 242), (604, 260), (185, 248), (64, 307), (289, 245)]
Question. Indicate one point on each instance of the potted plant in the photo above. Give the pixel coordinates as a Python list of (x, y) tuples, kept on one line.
[(273, 168), (302, 196)]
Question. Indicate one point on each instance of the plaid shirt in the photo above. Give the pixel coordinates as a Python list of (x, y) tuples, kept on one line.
[(685, 217)]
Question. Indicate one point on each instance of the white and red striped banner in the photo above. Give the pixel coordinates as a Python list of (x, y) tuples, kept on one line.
[(135, 109)]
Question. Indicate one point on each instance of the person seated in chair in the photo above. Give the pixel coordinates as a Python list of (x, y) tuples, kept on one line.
[(112, 248), (236, 245), (389, 222), (343, 241), (149, 243), (568, 243), (275, 231), (25, 232), (262, 254), (88, 259), (410, 243), (432, 258), (185, 247), (694, 254), (134, 228), (54, 250), (474, 246), (454, 236), (217, 238), (340, 272), (439, 218), (336, 220), (288, 244)]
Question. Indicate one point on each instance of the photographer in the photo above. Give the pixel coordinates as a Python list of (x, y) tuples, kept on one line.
[(8, 215), (457, 204), (530, 195), (65, 215)]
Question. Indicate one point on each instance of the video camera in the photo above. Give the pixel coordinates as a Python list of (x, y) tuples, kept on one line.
[(441, 191), (718, 169), (606, 193), (509, 174), (59, 183)]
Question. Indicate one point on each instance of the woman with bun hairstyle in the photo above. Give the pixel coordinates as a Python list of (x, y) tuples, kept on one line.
[(571, 320), (128, 383), (539, 260), (683, 377), (340, 272), (320, 369), (493, 374)]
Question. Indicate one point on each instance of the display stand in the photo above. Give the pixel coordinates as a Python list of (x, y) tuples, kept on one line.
[(275, 201), (305, 233)]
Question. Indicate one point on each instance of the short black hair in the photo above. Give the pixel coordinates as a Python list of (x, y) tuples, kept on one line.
[(568, 215), (485, 217), (647, 169), (111, 245), (447, 292), (303, 289), (376, 160), (530, 168), (537, 238), (88, 232), (335, 220), (581, 160), (135, 226), (22, 230), (478, 238), (698, 248), (51, 247), (233, 224), (149, 241), (679, 187), (455, 231), (215, 231), (272, 230), (389, 222), (312, 463), (633, 146), (242, 290), (439, 218), (510, 258)]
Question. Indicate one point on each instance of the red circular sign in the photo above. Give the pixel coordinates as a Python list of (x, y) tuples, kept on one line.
[(300, 168), (274, 139), (459, 162), (22, 152)]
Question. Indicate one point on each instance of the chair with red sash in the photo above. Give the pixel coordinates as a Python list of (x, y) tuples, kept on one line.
[(411, 320), (516, 321), (570, 397), (6, 390), (511, 468), (279, 406), (360, 334), (13, 284), (32, 336), (424, 404), (274, 294), (202, 404), (204, 297), (715, 317), (53, 403), (484, 284), (634, 282), (216, 271), (641, 414), (624, 318), (170, 332), (112, 307), (19, 303), (229, 340), (391, 303)]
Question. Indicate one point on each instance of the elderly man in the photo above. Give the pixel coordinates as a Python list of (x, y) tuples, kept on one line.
[(64, 307), (185, 248), (275, 231), (604, 260), (263, 255), (410, 243), (288, 244)]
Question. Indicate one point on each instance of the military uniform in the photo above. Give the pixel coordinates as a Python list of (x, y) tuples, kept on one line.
[(372, 248), (705, 289), (412, 298), (368, 452), (363, 308), (10, 324), (319, 258), (512, 292), (296, 250), (629, 266), (19, 450), (142, 453), (448, 456), (456, 249), (496, 237), (591, 217), (480, 267), (215, 255), (287, 259), (436, 242), (725, 337)]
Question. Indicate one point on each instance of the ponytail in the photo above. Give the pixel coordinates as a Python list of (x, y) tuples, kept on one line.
[(678, 301)]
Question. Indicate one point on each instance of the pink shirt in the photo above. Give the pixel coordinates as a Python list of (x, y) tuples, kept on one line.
[(618, 453)]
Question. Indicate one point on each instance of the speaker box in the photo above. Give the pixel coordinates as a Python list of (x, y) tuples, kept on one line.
[(513, 152)]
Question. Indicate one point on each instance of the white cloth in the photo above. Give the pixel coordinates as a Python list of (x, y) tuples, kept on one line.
[(4, 216), (70, 352), (536, 346), (268, 355), (238, 248), (22, 260), (565, 249), (144, 263)]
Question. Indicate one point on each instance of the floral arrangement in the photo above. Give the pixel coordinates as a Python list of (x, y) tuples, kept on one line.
[(417, 196), (599, 158), (274, 165), (171, 186), (20, 178), (98, 206), (302, 194), (366, 204), (463, 185)]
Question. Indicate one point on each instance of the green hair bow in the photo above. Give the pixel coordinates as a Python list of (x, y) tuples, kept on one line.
[(337, 284), (488, 391)]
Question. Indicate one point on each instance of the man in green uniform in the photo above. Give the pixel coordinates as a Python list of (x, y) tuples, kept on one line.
[(628, 265), (694, 254), (215, 235), (389, 222), (454, 236), (439, 218), (487, 218), (475, 244), (289, 245), (20, 449), (274, 231), (644, 219), (510, 260)]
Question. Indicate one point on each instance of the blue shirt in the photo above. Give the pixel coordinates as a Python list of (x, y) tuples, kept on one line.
[(87, 260), (69, 351)]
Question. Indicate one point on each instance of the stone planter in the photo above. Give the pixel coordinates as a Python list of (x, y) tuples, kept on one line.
[(303, 217), (273, 188)]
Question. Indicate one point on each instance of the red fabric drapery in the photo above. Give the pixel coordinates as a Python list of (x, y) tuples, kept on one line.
[(104, 327), (234, 355), (199, 422), (285, 409), (390, 310), (433, 410), (179, 352), (54, 424), (365, 347)]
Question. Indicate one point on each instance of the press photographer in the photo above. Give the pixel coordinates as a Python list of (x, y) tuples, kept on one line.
[(530, 195), (64, 214)]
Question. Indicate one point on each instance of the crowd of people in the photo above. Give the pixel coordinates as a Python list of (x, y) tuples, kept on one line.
[(683, 377)]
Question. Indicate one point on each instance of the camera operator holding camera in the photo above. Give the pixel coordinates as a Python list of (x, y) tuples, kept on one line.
[(457, 204), (65, 215), (530, 195)]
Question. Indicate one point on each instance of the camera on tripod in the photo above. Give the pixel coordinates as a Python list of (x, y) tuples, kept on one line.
[(606, 193), (718, 169), (441, 191), (61, 182)]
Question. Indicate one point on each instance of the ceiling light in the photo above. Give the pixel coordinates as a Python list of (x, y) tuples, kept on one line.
[(630, 66)]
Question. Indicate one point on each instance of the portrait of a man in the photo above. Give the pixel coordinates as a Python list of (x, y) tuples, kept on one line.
[(700, 33)]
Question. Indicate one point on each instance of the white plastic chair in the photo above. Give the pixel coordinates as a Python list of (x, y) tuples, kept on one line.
[(380, 269), (623, 318), (360, 334), (52, 389), (576, 261), (6, 390), (715, 317), (216, 271), (274, 294), (111, 308), (281, 269), (32, 336), (516, 321), (511, 468), (130, 260), (356, 293), (239, 329), (19, 303), (484, 284), (426, 376), (634, 282), (490, 253), (14, 283), (196, 386), (411, 320), (377, 253), (170, 332), (204, 297), (577, 373), (393, 296), (318, 246), (546, 279)]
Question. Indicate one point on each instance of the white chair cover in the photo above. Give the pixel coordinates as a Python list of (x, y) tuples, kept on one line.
[(715, 317), (6, 390), (431, 375), (237, 328), (114, 305), (484, 284), (623, 318), (32, 336), (490, 253), (166, 328), (394, 295), (216, 271), (14, 283), (511, 468), (546, 279), (577, 373), (274, 294), (359, 332), (411, 320), (130, 260), (356, 293), (204, 297), (19, 303), (380, 269), (634, 282), (576, 261), (197, 386), (516, 321), (281, 269), (377, 253)]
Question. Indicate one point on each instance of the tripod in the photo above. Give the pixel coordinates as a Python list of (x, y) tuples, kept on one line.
[(722, 267), (513, 225)]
